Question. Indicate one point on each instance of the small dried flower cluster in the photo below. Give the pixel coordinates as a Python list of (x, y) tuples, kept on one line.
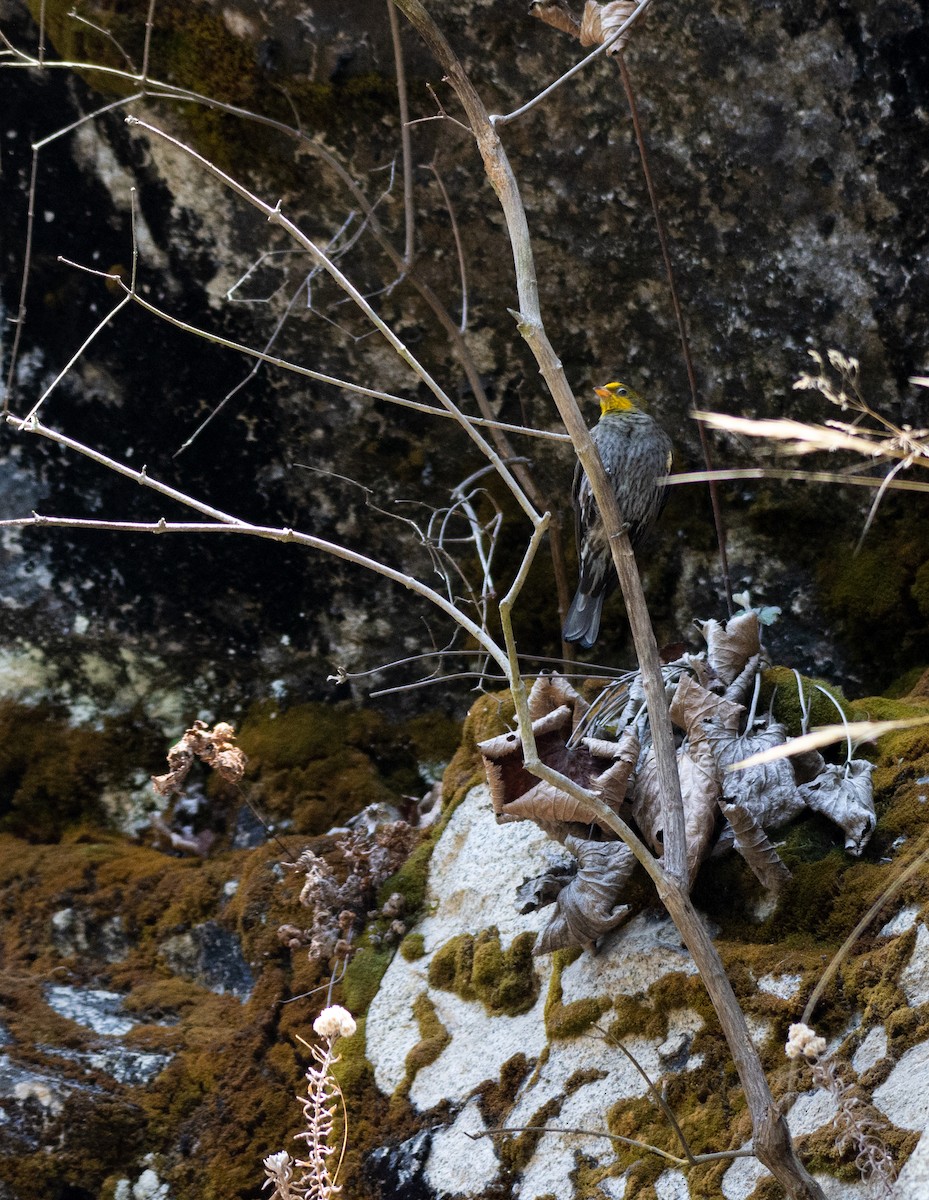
[(339, 908), (217, 749), (856, 1126), (803, 1041), (310, 1178)]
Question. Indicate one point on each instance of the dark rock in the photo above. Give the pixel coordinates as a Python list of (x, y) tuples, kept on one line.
[(212, 956), (77, 932), (398, 1171)]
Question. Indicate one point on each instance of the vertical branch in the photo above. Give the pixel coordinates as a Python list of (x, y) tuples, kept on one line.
[(42, 31), (529, 319), (772, 1138), (147, 45), (681, 325), (20, 318), (405, 147), (459, 249)]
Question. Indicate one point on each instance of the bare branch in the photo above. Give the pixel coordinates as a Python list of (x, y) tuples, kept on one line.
[(500, 121), (276, 216)]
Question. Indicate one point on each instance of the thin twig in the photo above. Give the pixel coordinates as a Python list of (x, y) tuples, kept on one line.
[(887, 894), (76, 355), (318, 376), (276, 216), (224, 523), (681, 322), (719, 1156), (20, 318), (795, 475), (459, 249), (656, 1094), (405, 143), (104, 32), (147, 45), (498, 121)]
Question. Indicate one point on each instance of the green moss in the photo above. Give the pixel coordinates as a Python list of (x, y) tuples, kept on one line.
[(907, 683), (319, 764), (496, 1097), (569, 1020), (489, 716), (363, 976), (787, 708), (413, 877), (515, 1152), (413, 947), (877, 600), (52, 773), (434, 1037), (478, 968)]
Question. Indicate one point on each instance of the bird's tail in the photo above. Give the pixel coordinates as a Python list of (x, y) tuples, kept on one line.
[(582, 624)]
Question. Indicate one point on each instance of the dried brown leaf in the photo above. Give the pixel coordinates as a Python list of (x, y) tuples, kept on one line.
[(767, 791), (586, 908), (551, 692), (600, 21), (693, 704), (557, 14), (696, 766), (845, 795), (603, 767), (700, 789), (753, 844), (730, 646)]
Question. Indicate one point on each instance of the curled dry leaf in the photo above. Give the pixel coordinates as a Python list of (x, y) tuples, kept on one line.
[(603, 767), (700, 788), (730, 646), (767, 791), (550, 692), (696, 766), (738, 691), (753, 844), (693, 704), (542, 890), (557, 14), (845, 795), (586, 908), (600, 22)]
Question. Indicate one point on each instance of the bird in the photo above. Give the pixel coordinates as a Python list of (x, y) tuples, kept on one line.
[(636, 454)]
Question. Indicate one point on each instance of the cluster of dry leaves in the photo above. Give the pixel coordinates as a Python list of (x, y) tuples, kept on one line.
[(217, 749), (712, 698)]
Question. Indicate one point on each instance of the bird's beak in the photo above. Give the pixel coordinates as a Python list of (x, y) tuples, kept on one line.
[(602, 393)]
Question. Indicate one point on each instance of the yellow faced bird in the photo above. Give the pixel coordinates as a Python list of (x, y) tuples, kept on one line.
[(636, 454)]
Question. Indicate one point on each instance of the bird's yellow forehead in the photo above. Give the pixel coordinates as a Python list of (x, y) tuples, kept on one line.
[(616, 397)]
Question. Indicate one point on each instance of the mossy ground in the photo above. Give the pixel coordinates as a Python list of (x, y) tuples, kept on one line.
[(236, 1068), (230, 1086)]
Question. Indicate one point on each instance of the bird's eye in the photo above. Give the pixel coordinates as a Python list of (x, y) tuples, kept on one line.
[(622, 392)]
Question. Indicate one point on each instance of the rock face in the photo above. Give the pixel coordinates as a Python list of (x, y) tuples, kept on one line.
[(782, 143), (565, 1074), (149, 1049)]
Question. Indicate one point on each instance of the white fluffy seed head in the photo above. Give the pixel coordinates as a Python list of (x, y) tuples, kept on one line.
[(334, 1022), (802, 1041)]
